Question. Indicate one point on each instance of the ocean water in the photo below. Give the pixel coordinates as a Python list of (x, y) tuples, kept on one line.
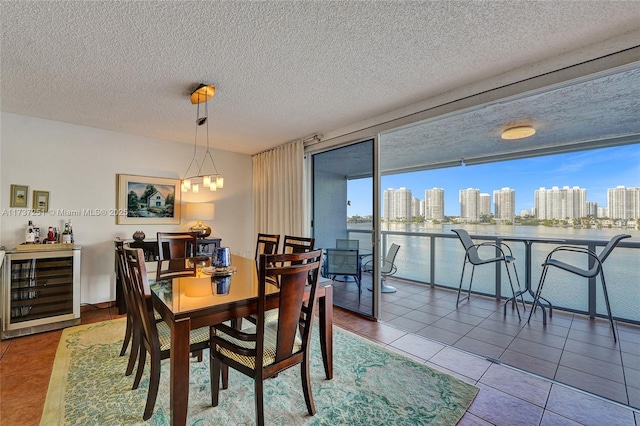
[(562, 289)]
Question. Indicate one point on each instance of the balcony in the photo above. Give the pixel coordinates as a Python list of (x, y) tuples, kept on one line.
[(572, 349)]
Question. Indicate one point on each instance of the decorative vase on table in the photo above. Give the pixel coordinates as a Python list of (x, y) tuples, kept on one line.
[(138, 236)]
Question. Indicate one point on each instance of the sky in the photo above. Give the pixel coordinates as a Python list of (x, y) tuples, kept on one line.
[(595, 170)]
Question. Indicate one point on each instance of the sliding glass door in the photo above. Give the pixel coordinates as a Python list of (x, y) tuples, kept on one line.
[(344, 221)]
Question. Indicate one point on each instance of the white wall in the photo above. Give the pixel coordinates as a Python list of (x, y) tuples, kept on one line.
[(78, 166)]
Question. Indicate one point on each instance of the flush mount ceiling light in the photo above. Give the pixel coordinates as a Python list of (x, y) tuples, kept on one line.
[(202, 178), (519, 132)]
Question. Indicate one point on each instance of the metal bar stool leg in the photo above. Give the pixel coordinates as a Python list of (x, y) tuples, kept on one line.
[(606, 301)]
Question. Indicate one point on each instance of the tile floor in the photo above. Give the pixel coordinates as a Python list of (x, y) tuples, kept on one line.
[(507, 396)]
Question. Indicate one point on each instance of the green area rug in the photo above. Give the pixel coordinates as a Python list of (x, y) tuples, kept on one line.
[(371, 385)]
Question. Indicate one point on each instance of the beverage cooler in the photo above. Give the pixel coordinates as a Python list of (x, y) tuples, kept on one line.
[(40, 291)]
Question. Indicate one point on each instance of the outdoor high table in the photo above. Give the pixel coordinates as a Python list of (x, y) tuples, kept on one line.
[(528, 242), (191, 302)]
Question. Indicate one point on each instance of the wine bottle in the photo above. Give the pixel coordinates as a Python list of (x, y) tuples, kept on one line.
[(66, 234), (71, 231)]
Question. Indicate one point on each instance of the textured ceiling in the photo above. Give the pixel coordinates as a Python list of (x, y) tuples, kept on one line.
[(285, 70)]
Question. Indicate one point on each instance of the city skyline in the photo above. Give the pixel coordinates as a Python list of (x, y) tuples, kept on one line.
[(594, 170)]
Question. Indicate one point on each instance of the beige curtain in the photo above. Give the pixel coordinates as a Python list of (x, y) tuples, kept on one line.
[(278, 191)]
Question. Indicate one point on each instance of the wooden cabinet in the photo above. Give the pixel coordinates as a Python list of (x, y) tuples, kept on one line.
[(40, 291)]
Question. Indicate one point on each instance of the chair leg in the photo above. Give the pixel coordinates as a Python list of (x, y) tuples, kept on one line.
[(513, 292), (458, 299), (127, 336), (515, 271), (154, 383), (306, 385), (214, 375), (258, 386), (141, 360), (225, 376), (133, 354), (536, 298), (606, 301)]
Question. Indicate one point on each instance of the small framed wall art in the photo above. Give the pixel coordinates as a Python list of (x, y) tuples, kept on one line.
[(40, 201), (18, 196)]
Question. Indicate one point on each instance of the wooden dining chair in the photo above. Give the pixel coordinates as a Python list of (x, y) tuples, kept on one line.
[(267, 244), (155, 337), (174, 250), (123, 273), (266, 349), (290, 245), (133, 330)]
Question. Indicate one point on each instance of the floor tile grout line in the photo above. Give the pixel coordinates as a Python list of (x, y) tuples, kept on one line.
[(552, 381), (565, 339)]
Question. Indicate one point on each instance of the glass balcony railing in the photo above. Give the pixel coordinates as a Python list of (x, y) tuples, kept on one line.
[(436, 259)]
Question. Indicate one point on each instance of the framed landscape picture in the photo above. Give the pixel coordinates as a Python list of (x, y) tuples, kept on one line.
[(18, 196), (40, 201), (147, 200)]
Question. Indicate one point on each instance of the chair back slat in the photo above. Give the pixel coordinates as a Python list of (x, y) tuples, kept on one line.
[(613, 242), (175, 245), (141, 294), (390, 258), (342, 243), (293, 244), (294, 272), (174, 248), (123, 273), (267, 244), (342, 262), (471, 250)]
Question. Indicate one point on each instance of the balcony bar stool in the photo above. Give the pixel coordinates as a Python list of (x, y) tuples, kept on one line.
[(472, 256), (595, 268)]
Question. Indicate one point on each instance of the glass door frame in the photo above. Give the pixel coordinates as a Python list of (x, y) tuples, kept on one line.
[(375, 233)]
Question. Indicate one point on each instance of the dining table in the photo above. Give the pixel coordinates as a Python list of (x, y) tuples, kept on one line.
[(213, 297)]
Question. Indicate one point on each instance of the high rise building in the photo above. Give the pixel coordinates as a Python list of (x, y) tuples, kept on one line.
[(397, 204), (560, 203), (402, 204), (504, 201), (485, 204), (416, 205), (434, 204), (387, 204), (623, 203), (469, 205)]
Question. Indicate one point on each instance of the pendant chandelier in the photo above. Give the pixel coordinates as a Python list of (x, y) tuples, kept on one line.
[(204, 177)]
